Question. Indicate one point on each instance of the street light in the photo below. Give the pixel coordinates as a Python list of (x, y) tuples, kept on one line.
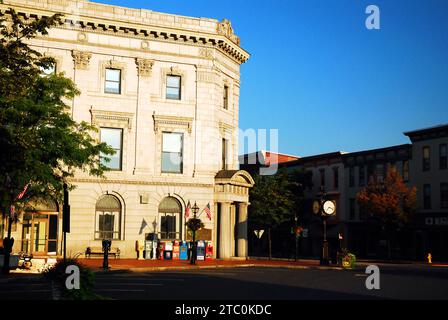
[(324, 208), (193, 228)]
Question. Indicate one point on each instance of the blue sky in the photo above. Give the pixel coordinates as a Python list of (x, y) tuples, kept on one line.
[(325, 81)]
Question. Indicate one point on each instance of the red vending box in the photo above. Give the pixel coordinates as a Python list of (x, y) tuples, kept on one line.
[(176, 250), (160, 250), (209, 251)]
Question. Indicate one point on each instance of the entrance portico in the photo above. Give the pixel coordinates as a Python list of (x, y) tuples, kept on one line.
[(231, 203)]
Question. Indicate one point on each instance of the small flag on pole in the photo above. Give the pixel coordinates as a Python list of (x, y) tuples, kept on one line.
[(143, 226), (21, 194), (208, 212), (187, 210)]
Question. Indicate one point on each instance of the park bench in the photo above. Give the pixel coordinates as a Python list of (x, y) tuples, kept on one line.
[(99, 251)]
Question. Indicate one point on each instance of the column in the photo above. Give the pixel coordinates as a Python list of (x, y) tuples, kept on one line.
[(242, 229), (225, 238)]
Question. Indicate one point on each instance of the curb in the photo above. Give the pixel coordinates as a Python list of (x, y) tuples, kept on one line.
[(251, 265)]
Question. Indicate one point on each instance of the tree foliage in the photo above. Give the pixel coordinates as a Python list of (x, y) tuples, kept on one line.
[(39, 141), (390, 201)]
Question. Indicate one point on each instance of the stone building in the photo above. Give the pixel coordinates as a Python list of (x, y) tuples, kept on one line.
[(163, 90)]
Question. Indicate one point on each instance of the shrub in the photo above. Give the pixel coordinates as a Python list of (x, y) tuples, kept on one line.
[(56, 273)]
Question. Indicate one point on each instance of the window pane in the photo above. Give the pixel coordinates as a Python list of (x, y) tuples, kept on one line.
[(172, 93), (171, 162), (112, 87), (112, 137), (172, 142), (173, 81), (113, 75), (50, 70)]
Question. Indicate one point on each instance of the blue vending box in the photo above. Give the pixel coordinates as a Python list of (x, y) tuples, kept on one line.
[(201, 250), (183, 253)]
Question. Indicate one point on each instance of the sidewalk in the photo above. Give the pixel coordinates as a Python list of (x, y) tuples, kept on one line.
[(161, 265)]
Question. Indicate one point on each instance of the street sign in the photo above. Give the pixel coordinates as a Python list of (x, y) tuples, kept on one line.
[(259, 233)]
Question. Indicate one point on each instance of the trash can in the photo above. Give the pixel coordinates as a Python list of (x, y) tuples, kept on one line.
[(183, 251), (201, 250), (168, 252)]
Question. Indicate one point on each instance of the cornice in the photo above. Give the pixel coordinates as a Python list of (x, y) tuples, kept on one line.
[(140, 182), (223, 38), (164, 121)]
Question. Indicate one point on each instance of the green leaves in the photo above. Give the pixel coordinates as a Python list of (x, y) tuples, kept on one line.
[(39, 141)]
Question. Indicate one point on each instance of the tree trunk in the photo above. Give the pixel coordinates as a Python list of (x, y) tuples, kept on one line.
[(270, 243), (7, 247)]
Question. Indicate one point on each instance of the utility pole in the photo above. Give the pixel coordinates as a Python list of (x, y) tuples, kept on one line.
[(65, 219)]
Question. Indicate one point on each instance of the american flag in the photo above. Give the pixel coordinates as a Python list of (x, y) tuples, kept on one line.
[(187, 210), (21, 194), (207, 211)]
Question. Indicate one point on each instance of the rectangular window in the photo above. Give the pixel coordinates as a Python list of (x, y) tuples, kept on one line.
[(336, 177), (351, 177), (352, 208), (168, 226), (114, 138), (108, 225), (444, 195), (426, 196), (113, 81), (172, 152), (405, 170), (379, 172), (322, 177), (370, 173), (426, 159), (224, 154), (362, 176), (443, 158), (226, 98), (173, 87)]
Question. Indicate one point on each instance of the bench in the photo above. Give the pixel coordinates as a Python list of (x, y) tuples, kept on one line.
[(99, 251)]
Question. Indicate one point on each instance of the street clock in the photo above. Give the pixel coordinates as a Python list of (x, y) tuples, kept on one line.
[(329, 208)]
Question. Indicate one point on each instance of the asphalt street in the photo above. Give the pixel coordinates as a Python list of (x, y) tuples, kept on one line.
[(249, 284), (273, 284)]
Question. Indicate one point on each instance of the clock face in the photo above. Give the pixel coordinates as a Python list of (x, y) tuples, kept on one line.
[(329, 208), (316, 207)]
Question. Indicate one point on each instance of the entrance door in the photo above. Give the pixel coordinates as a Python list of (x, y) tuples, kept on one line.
[(39, 236)]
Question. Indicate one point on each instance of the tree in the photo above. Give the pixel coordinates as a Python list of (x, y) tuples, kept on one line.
[(391, 202), (41, 145), (274, 200)]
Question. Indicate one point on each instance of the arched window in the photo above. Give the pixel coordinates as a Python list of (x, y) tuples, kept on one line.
[(108, 218), (170, 211)]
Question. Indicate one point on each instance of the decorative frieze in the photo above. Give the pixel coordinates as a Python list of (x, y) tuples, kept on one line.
[(112, 118), (81, 59), (144, 66), (163, 122)]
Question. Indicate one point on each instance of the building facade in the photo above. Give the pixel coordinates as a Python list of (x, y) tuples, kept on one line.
[(421, 163), (163, 91)]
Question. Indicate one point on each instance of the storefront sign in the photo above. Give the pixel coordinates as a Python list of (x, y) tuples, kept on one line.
[(436, 221)]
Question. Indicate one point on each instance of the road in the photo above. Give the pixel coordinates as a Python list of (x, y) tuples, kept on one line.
[(249, 284)]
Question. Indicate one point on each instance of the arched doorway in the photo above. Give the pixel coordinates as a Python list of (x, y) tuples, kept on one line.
[(40, 227), (108, 218), (170, 217)]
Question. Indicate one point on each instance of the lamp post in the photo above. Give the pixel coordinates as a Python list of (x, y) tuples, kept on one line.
[(296, 237), (195, 210), (324, 208)]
